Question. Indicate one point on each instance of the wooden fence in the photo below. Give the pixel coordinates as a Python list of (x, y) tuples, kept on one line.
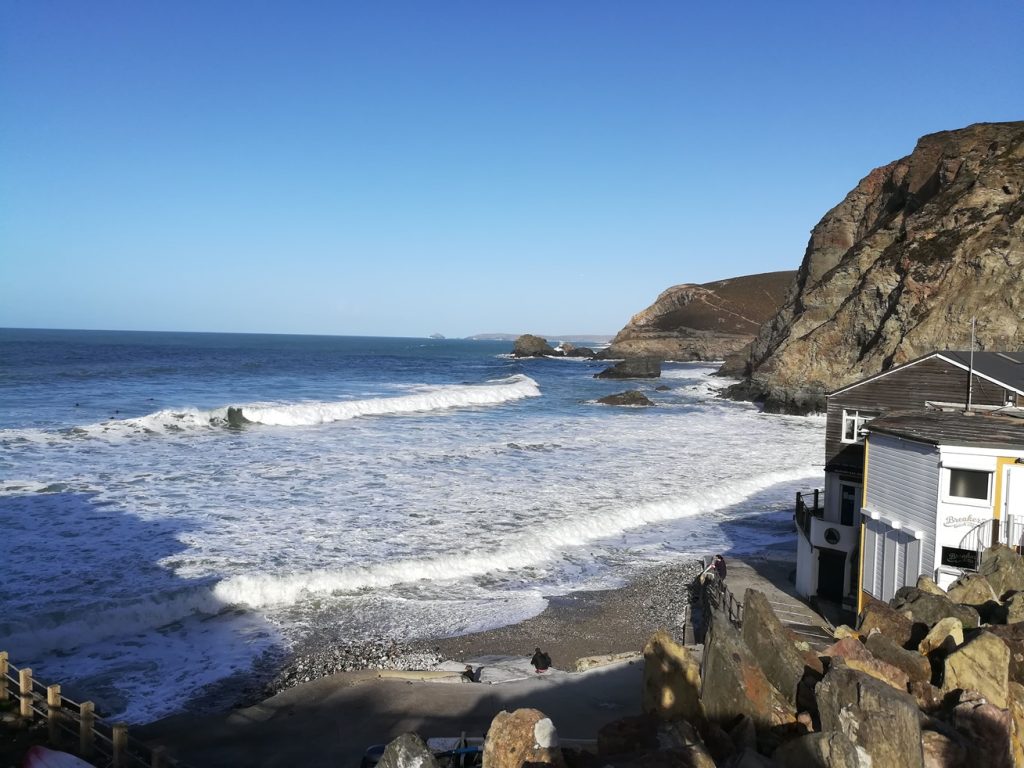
[(75, 727)]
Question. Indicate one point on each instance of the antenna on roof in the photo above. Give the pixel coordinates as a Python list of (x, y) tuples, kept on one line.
[(970, 370)]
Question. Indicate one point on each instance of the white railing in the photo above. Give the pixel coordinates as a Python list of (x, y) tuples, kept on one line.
[(1011, 533)]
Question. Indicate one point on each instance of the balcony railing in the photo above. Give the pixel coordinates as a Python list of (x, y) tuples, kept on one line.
[(809, 504)]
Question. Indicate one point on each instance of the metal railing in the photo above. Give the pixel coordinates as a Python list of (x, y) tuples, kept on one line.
[(803, 512), (74, 726), (1009, 531)]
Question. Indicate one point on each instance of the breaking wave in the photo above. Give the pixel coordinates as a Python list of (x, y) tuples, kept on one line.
[(521, 550)]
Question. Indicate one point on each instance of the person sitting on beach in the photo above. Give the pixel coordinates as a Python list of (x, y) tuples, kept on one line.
[(541, 661), (468, 674), (719, 565)]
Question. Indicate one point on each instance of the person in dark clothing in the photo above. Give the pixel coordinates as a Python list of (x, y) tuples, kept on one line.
[(719, 565), (469, 675), (541, 661)]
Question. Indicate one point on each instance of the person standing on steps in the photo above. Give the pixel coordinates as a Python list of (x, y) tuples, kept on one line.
[(719, 565)]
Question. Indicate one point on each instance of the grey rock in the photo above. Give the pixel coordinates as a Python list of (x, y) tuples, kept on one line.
[(640, 368), (929, 610), (407, 751), (629, 397), (827, 749), (529, 345)]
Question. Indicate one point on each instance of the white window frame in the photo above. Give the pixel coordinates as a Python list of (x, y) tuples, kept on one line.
[(966, 501), (859, 419)]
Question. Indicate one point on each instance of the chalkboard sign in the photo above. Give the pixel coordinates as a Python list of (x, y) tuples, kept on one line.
[(960, 558)]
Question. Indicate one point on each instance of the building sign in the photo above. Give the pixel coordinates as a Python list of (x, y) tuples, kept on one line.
[(960, 558)]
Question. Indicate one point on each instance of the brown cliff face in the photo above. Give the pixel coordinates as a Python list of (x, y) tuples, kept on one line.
[(703, 322), (899, 268)]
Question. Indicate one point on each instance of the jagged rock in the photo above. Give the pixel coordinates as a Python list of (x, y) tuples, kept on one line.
[(682, 738), (626, 735), (940, 751), (901, 265), (873, 715), (914, 665), (671, 680), (703, 322), (639, 368), (927, 696), (1003, 568), (842, 632), (743, 734), (1017, 719), (971, 589), (521, 738), (989, 730), (855, 655), (407, 751), (1012, 636), (1015, 608), (570, 351), (629, 397), (771, 646), (892, 624), (529, 345), (828, 749), (927, 584), (945, 637), (662, 388), (929, 610), (981, 664), (735, 685)]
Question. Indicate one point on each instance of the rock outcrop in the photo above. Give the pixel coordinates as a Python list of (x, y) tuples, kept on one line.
[(899, 268), (703, 322), (529, 345), (629, 397), (640, 368)]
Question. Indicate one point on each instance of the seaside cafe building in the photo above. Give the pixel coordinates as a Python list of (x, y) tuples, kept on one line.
[(940, 487), (829, 528)]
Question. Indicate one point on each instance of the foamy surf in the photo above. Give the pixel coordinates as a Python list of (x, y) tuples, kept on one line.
[(522, 550)]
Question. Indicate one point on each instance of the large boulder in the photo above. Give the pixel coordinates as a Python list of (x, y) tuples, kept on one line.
[(628, 735), (873, 715), (629, 397), (1017, 717), (988, 728), (771, 646), (944, 638), (1014, 608), (734, 684), (671, 680), (827, 749), (972, 589), (891, 623), (529, 345), (927, 584), (915, 666), (982, 664), (522, 738), (1003, 568), (941, 751), (1012, 636), (638, 368), (929, 610), (855, 655), (407, 751)]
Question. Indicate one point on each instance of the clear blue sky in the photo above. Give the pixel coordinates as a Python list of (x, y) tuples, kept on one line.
[(401, 168)]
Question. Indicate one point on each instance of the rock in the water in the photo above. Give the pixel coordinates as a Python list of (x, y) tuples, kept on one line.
[(703, 322), (671, 680), (901, 265), (983, 665), (639, 368), (1003, 569), (629, 397), (945, 637), (771, 647), (662, 388), (735, 685), (522, 738), (827, 749), (914, 665), (875, 716), (929, 609), (407, 751), (529, 345)]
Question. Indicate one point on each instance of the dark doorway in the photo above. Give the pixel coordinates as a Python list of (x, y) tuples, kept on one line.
[(831, 569)]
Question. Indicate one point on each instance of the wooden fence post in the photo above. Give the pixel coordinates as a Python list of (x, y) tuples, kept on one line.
[(53, 706), (119, 742), (3, 675), (87, 713), (25, 691)]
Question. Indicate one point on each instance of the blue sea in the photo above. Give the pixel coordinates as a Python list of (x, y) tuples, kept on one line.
[(404, 488)]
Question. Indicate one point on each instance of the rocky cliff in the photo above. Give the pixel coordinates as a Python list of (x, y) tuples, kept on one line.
[(703, 322), (899, 268)]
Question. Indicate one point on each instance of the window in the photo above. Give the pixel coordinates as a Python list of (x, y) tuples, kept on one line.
[(853, 421), (849, 506), (969, 484)]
